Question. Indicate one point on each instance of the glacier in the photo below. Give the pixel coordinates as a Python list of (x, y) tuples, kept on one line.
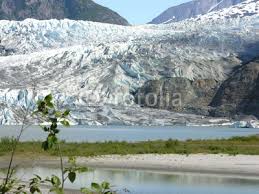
[(95, 68)]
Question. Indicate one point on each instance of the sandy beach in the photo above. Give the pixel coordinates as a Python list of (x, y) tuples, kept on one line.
[(240, 165)]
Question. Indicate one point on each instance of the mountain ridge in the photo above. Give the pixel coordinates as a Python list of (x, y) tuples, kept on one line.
[(58, 9), (192, 9)]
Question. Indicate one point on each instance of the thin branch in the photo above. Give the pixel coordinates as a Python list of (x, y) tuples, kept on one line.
[(61, 167), (16, 141), (66, 178)]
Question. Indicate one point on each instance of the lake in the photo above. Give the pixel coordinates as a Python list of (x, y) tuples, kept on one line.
[(140, 181), (152, 182), (130, 134)]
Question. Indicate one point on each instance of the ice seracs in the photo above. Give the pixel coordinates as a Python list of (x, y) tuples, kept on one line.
[(94, 69)]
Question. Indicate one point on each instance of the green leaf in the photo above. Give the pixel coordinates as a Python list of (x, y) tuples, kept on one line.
[(53, 126), (45, 145), (39, 102), (57, 190), (72, 160), (72, 177), (56, 131), (35, 189), (46, 129), (65, 123), (41, 106), (55, 181), (45, 111), (105, 185), (66, 113), (48, 98), (54, 120), (86, 191), (96, 186), (58, 114), (32, 189), (38, 177), (52, 140), (82, 169), (50, 104)]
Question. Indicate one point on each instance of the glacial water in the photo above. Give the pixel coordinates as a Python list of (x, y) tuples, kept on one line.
[(152, 182), (127, 133)]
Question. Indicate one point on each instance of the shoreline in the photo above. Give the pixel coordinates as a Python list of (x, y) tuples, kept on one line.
[(220, 164), (243, 166)]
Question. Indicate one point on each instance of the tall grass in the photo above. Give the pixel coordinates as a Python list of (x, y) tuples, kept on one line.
[(232, 146), (6, 145)]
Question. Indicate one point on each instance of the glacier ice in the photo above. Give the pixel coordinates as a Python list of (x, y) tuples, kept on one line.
[(94, 68)]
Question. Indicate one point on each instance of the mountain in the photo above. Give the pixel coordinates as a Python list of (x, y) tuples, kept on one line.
[(97, 69), (239, 94), (196, 95), (193, 9), (58, 9)]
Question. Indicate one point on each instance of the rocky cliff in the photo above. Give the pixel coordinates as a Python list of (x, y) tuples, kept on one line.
[(235, 97), (240, 93), (58, 9), (178, 94)]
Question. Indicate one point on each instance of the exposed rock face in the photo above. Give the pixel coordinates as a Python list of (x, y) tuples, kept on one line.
[(58, 9), (192, 9), (178, 94), (240, 93), (237, 96)]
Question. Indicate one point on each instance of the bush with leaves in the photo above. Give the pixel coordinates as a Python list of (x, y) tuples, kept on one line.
[(104, 188), (47, 111)]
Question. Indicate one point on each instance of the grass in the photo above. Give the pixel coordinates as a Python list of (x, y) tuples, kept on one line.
[(233, 146)]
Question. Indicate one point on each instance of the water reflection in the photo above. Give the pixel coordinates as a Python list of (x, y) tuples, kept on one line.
[(148, 182)]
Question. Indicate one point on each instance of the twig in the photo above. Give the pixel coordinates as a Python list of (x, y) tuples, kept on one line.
[(15, 143), (61, 167)]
